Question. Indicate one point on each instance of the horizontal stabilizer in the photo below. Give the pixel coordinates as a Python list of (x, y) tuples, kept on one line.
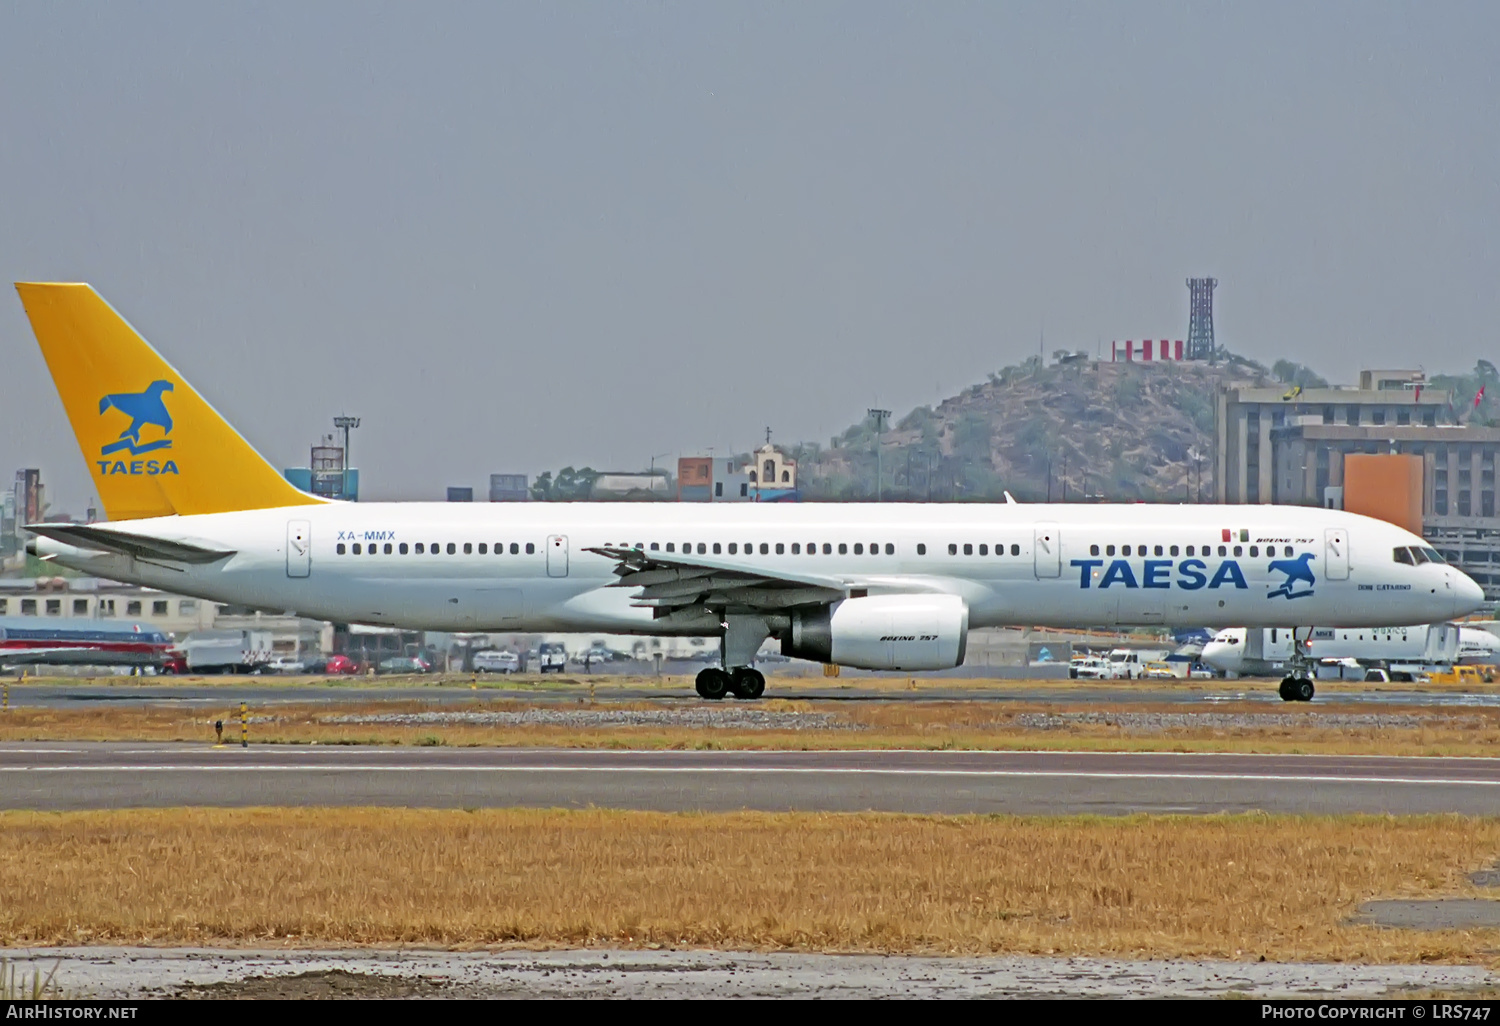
[(107, 539)]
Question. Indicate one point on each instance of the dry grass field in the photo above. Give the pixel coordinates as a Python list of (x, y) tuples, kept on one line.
[(1237, 887), (1322, 727)]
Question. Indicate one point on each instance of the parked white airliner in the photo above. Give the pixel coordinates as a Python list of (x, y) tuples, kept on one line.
[(195, 510), (1263, 652)]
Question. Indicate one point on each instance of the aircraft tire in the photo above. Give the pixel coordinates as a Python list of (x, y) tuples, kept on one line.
[(747, 683), (1286, 693), (1304, 690), (712, 683)]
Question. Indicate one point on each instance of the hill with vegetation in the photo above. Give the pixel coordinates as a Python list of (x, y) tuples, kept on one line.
[(1072, 430)]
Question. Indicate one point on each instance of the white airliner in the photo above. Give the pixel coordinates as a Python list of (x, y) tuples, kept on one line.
[(1259, 652), (195, 510)]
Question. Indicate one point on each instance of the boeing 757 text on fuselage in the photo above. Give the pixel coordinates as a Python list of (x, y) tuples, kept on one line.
[(195, 510)]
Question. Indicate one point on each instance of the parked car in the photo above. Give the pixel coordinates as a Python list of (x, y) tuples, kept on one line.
[(1090, 668), (404, 664), (286, 664), (333, 666), (1157, 671), (497, 661)]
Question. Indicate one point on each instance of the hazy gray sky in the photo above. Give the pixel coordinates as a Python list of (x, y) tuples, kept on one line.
[(512, 236)]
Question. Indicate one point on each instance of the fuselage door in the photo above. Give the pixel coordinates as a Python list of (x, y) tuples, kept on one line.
[(1336, 554), (1048, 551), (557, 555), (298, 548)]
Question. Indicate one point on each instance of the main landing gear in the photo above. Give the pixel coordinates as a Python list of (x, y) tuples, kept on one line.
[(1298, 685), (1296, 689), (743, 682)]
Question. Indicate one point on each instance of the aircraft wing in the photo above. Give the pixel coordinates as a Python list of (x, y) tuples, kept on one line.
[(109, 539), (669, 582)]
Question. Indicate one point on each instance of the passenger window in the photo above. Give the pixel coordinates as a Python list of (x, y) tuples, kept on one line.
[(702, 549), (387, 548), (515, 549), (984, 550), (340, 548), (418, 548), (859, 550), (1109, 550), (1189, 550), (1239, 551), (435, 548), (1401, 555), (716, 548), (764, 549), (733, 548), (1093, 550), (1172, 551), (780, 549), (968, 549), (796, 548), (890, 548), (373, 549), (484, 549), (843, 549), (827, 549), (403, 548), (1158, 550), (355, 549), (687, 548), (1255, 550), (530, 548), (452, 549), (672, 547), (1223, 551), (921, 548)]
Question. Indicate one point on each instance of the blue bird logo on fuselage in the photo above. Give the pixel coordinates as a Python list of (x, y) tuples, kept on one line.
[(1297, 571), (143, 409)]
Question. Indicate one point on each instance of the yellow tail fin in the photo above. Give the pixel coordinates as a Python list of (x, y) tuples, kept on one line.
[(154, 446)]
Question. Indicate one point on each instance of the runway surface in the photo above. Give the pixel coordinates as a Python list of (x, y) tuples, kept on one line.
[(81, 695), (133, 973), (115, 775)]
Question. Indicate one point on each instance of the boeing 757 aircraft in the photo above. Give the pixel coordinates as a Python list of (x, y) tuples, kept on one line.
[(893, 586)]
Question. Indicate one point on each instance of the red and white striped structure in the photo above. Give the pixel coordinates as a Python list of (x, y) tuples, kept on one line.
[(1146, 351)]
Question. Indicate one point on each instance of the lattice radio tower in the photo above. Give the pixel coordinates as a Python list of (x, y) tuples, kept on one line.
[(1200, 340)]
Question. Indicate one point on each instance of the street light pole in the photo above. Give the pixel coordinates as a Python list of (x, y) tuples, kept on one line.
[(344, 424), (881, 416)]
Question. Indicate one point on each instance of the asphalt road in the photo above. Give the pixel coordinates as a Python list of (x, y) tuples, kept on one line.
[(113, 775)]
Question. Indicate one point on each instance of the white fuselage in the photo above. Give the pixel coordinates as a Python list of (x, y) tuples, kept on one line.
[(1055, 565)]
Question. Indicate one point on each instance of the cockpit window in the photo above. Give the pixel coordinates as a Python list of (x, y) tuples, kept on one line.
[(1419, 555), (1403, 555), (1433, 555)]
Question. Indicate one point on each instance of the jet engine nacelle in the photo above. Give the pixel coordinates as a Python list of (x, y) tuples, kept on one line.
[(883, 632)]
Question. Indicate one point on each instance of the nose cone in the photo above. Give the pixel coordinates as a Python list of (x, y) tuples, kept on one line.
[(1221, 656), (1467, 595)]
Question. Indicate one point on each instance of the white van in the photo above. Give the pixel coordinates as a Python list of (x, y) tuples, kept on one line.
[(495, 661)]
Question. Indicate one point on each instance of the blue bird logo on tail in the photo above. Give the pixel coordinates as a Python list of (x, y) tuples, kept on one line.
[(143, 408), (1297, 571)]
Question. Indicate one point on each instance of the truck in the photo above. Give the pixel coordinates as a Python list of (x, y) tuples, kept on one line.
[(1130, 663), (226, 651), (551, 655)]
